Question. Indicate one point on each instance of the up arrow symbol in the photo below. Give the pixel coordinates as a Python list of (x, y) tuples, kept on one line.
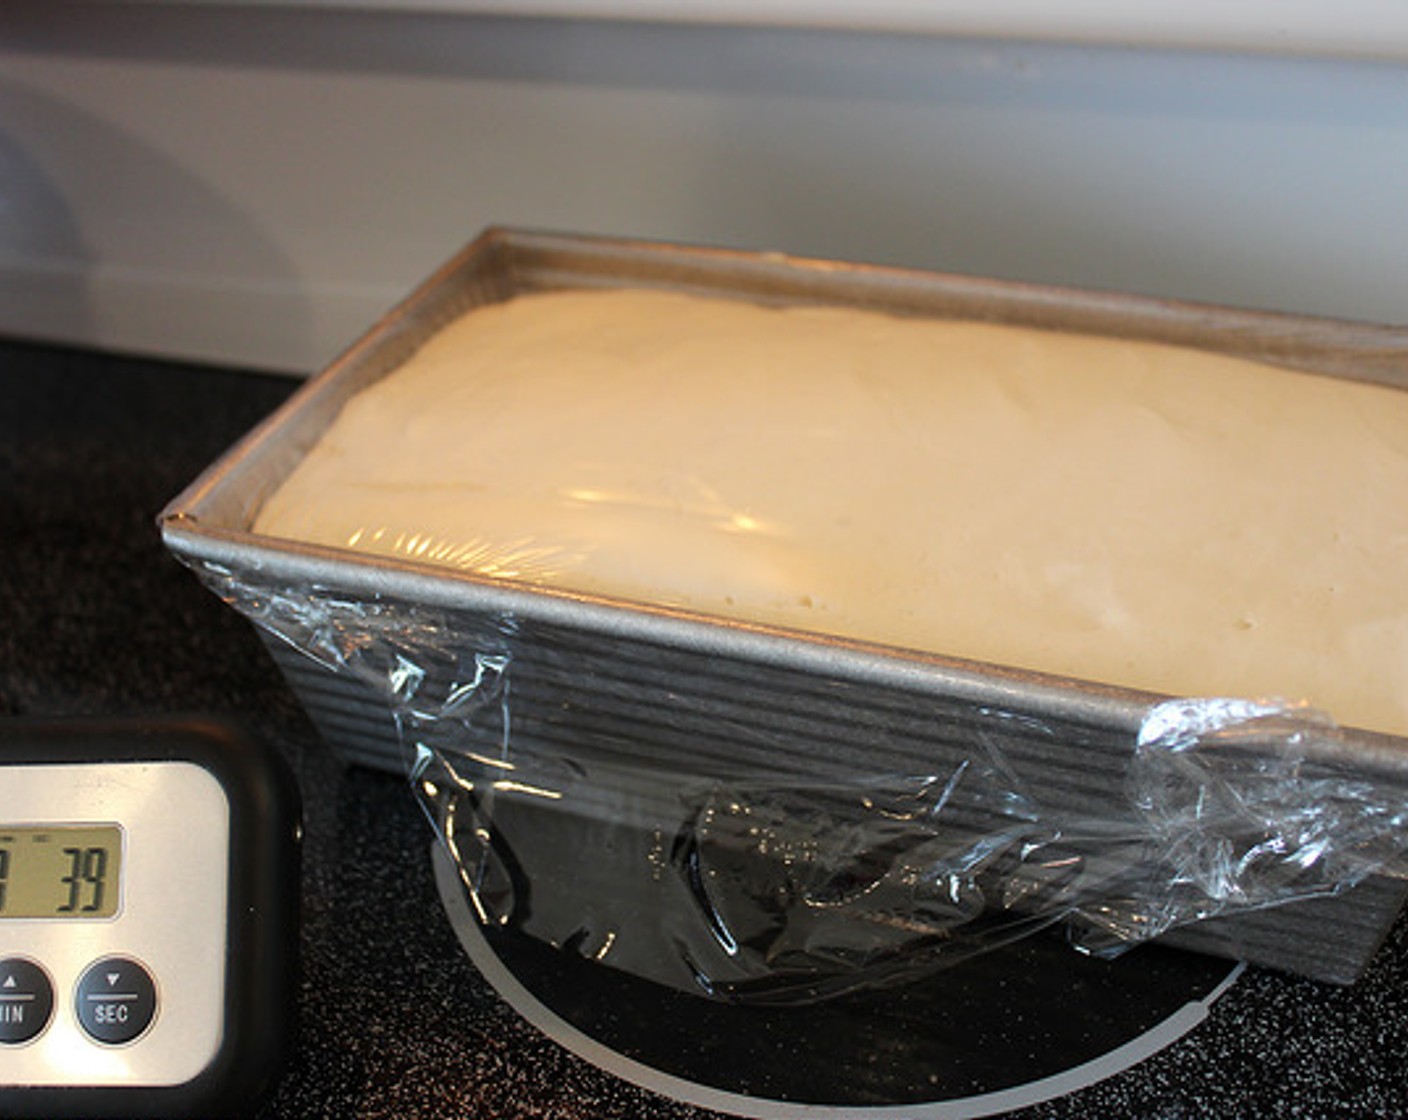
[(113, 978), (9, 982)]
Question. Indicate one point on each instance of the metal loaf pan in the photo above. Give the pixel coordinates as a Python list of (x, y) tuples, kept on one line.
[(592, 675)]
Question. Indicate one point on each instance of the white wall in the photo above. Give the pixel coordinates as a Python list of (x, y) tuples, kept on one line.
[(254, 184)]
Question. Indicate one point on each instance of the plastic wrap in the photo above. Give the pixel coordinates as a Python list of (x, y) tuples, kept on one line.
[(1102, 508), (781, 870)]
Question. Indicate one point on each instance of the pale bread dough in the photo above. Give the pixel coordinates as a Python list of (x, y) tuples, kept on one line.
[(1124, 512)]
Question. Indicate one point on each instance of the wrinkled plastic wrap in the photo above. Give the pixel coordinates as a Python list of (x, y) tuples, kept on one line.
[(783, 871)]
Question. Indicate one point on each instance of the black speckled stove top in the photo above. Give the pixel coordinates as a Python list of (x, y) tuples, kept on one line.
[(394, 1021)]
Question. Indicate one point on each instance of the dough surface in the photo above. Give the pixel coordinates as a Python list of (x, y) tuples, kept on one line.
[(1124, 512)]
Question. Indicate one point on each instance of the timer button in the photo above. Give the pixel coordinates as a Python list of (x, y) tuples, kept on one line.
[(26, 1000), (116, 1000)]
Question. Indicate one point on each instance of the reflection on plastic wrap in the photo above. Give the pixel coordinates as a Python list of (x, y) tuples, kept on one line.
[(765, 884), (815, 890), (1251, 804)]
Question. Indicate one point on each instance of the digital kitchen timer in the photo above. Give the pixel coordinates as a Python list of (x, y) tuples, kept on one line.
[(148, 917)]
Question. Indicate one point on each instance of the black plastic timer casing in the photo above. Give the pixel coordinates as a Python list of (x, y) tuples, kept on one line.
[(261, 973)]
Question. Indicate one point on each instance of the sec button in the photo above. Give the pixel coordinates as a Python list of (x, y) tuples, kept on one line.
[(115, 1000)]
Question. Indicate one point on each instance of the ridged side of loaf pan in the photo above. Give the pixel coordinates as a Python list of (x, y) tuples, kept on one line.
[(1330, 939)]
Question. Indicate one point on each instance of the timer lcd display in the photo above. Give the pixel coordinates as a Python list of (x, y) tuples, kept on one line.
[(60, 871)]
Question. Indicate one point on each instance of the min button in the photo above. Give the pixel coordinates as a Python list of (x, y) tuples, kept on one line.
[(26, 1000), (116, 1000)]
